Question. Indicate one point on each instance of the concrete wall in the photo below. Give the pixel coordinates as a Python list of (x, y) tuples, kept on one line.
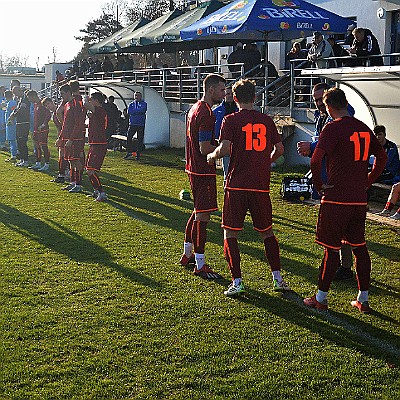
[(33, 82)]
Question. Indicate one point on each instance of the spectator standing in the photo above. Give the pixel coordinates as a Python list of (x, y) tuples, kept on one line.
[(237, 56), (200, 140), (347, 143), (22, 116), (254, 143), (393, 163), (11, 105), (107, 66), (252, 58), (349, 38), (365, 44), (137, 121), (338, 51), (3, 107), (320, 49), (60, 76), (113, 116)]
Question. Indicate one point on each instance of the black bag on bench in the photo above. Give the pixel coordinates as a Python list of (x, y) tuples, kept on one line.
[(296, 188)]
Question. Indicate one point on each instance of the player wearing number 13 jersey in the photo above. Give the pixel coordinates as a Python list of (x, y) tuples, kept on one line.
[(347, 144), (253, 142)]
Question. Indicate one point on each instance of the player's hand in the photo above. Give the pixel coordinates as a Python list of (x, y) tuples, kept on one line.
[(304, 148), (325, 187), (210, 159), (68, 144)]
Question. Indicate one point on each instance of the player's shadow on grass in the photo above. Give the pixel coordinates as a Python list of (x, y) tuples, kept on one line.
[(339, 328), (63, 240), (389, 252)]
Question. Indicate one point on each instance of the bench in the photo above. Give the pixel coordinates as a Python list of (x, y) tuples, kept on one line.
[(379, 192), (119, 142)]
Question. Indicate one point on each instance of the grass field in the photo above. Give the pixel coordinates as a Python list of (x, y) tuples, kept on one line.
[(94, 306)]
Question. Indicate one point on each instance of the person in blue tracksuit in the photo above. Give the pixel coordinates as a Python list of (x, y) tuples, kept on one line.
[(2, 119), (228, 106), (11, 130), (137, 121)]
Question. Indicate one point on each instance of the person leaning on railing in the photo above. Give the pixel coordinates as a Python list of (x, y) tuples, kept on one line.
[(365, 44)]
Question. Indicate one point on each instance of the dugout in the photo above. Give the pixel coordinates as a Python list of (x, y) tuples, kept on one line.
[(374, 92), (157, 129)]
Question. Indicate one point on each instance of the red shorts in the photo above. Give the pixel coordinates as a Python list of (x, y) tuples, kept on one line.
[(204, 189), (338, 223), (236, 204), (75, 152), (41, 137), (95, 156)]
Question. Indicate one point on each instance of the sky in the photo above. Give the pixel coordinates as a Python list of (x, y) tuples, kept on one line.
[(44, 25)]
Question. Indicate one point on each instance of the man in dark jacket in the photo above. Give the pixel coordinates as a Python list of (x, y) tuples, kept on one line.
[(365, 44)]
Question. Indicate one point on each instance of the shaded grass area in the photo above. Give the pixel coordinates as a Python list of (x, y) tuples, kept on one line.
[(93, 304)]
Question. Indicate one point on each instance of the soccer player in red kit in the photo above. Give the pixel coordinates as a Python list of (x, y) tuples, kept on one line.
[(347, 144), (41, 118), (253, 142), (72, 133), (97, 140), (62, 164), (200, 140)]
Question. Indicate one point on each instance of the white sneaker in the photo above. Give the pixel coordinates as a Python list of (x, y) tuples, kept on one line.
[(36, 167), (68, 187), (22, 163), (395, 216), (101, 197), (94, 194), (44, 168), (233, 289), (384, 213)]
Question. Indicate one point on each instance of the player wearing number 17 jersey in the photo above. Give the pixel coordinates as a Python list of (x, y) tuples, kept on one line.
[(253, 142), (347, 144)]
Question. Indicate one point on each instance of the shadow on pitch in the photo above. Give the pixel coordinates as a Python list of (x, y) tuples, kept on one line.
[(65, 241), (342, 329)]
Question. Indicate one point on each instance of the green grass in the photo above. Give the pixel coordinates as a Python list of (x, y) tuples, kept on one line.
[(94, 306)]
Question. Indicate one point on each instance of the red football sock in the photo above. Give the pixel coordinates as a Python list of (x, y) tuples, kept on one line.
[(199, 236), (363, 267), (189, 227), (232, 256), (330, 264), (95, 181), (271, 247)]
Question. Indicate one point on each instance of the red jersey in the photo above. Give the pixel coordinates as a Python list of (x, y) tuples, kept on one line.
[(252, 136), (348, 144), (41, 116), (74, 121), (97, 126), (200, 119)]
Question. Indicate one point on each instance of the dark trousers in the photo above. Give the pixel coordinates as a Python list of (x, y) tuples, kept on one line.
[(135, 145), (22, 133)]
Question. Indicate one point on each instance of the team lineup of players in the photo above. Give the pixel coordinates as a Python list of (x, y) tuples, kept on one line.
[(69, 118), (252, 141)]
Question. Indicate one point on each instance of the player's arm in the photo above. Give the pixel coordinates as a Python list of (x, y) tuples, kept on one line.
[(316, 168), (277, 151), (223, 149), (379, 165)]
